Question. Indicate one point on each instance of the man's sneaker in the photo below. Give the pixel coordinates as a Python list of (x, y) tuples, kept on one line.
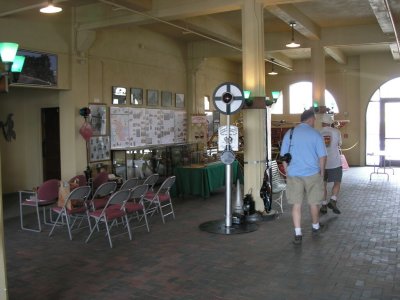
[(324, 209), (319, 230), (332, 205), (297, 239)]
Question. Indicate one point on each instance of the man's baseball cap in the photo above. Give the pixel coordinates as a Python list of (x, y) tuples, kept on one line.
[(327, 119)]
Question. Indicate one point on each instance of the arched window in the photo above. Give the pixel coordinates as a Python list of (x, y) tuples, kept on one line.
[(382, 132), (300, 97)]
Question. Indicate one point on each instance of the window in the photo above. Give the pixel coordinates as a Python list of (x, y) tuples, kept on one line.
[(300, 95), (381, 123), (206, 103), (277, 108)]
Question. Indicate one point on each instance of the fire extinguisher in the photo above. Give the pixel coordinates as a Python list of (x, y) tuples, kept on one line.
[(249, 206)]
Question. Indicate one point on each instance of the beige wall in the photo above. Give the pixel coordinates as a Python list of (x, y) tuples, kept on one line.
[(21, 158), (132, 58), (135, 57)]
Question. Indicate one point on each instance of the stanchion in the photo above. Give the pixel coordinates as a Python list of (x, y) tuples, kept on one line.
[(228, 99)]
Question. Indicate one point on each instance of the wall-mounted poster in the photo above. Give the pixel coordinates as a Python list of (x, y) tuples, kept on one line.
[(136, 96), (118, 95), (180, 100), (98, 118), (152, 97), (99, 148), (166, 98)]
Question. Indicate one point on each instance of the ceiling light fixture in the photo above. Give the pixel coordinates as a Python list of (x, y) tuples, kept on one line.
[(50, 8), (272, 70), (293, 44)]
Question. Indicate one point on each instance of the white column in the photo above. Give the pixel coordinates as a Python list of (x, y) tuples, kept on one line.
[(253, 80), (318, 72)]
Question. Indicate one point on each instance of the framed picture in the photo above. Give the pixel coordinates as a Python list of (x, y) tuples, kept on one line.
[(99, 148), (166, 98), (152, 97), (180, 100), (98, 118), (118, 95), (136, 96)]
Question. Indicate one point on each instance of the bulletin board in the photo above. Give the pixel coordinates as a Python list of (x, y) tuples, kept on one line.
[(134, 127)]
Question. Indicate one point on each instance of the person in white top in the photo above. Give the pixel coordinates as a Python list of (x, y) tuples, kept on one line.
[(333, 168)]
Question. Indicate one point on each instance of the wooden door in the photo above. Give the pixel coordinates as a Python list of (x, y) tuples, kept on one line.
[(51, 143)]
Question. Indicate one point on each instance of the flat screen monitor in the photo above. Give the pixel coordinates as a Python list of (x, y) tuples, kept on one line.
[(39, 69)]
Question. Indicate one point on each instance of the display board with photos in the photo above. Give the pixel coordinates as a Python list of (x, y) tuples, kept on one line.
[(134, 127), (99, 148), (98, 118)]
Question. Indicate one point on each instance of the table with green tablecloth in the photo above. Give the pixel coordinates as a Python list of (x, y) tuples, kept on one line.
[(201, 180)]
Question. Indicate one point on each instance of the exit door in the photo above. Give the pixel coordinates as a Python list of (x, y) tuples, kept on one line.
[(51, 143), (390, 133)]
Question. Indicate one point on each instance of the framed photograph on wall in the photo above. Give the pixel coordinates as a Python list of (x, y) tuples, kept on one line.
[(152, 97), (180, 100), (136, 96), (99, 148), (118, 95), (166, 99), (98, 118)]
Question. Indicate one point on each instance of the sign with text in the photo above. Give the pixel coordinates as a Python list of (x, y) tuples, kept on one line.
[(223, 140)]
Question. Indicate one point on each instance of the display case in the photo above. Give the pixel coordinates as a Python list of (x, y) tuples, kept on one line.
[(140, 162)]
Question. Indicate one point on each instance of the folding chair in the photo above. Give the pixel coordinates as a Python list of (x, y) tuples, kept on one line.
[(161, 200), (278, 184), (109, 215), (130, 184), (45, 196), (101, 195), (75, 207), (151, 181), (135, 207), (80, 179), (98, 180)]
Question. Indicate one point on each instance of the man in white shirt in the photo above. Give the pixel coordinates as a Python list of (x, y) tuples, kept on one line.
[(333, 168)]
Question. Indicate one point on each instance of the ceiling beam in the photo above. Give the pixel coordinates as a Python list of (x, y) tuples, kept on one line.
[(385, 18), (395, 51), (169, 11), (304, 25), (382, 15), (279, 59), (140, 5), (212, 26), (336, 54)]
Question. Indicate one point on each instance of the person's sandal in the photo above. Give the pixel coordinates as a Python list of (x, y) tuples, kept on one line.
[(332, 205), (297, 239)]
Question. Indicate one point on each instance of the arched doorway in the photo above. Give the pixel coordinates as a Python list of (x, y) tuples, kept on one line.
[(383, 122)]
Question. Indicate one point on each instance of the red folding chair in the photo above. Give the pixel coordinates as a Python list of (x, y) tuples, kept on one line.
[(111, 214), (75, 208), (135, 207), (161, 200), (45, 196)]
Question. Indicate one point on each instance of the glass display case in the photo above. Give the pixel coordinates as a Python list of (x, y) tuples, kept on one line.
[(141, 162)]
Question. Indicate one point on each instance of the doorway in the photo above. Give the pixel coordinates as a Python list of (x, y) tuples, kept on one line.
[(382, 123), (51, 143), (390, 134)]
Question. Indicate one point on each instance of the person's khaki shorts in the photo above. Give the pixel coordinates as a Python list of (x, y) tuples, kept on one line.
[(310, 188)]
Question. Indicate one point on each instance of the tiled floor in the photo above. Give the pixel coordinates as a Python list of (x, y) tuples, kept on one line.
[(357, 257)]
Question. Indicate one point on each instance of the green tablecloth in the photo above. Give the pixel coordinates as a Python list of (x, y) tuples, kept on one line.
[(200, 181)]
